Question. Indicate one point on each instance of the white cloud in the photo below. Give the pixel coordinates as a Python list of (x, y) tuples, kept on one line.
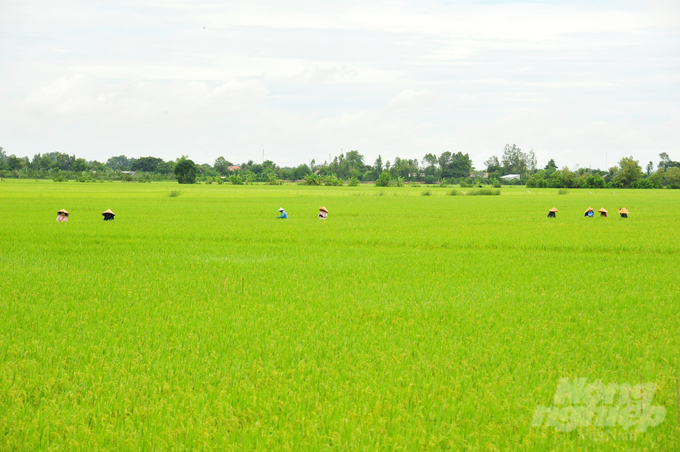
[(301, 78), (412, 98)]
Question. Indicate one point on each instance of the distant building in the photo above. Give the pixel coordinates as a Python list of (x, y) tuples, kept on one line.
[(233, 168), (510, 176)]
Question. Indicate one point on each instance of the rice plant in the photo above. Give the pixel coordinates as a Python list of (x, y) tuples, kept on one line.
[(404, 322)]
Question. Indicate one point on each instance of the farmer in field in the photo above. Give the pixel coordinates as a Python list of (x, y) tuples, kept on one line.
[(623, 212), (603, 212), (62, 215), (108, 215), (284, 215), (551, 213), (323, 213), (590, 212)]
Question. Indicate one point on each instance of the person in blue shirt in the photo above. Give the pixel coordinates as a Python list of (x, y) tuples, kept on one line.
[(284, 215)]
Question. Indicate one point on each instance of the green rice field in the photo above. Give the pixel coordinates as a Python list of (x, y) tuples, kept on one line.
[(402, 322)]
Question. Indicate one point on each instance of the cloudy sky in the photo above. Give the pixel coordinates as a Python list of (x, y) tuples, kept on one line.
[(583, 82)]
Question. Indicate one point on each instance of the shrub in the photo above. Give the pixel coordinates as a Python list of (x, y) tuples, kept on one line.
[(426, 193), (59, 178), (175, 193), (462, 184), (236, 179), (453, 192), (643, 183), (485, 192), (562, 191), (385, 180), (354, 182), (332, 181), (312, 179), (273, 180)]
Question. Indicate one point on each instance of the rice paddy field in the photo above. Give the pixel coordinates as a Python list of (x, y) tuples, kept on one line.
[(402, 322)]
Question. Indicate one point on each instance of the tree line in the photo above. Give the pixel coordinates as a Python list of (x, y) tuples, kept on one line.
[(514, 166)]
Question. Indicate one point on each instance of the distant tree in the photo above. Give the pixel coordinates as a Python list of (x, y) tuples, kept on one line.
[(256, 168), (629, 172), (301, 171), (268, 165), (429, 165), (119, 163), (514, 161), (354, 159), (222, 165), (3, 155), (146, 164), (650, 168), (97, 166), (15, 163), (455, 165), (564, 178), (165, 168), (378, 165), (666, 162), (551, 167), (80, 165), (673, 177), (185, 170), (493, 164), (532, 162)]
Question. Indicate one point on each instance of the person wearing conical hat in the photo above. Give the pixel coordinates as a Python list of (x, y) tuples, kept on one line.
[(551, 213), (284, 215), (603, 212), (623, 212), (590, 212), (62, 215), (323, 213), (108, 215)]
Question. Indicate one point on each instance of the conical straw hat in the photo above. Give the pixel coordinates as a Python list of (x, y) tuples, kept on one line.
[(64, 212), (623, 210), (603, 210), (324, 209), (589, 209), (108, 211), (553, 210)]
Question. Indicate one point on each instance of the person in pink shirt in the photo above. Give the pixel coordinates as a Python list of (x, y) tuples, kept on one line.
[(62, 215), (323, 213)]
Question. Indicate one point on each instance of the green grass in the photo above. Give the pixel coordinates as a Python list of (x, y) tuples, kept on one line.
[(402, 322)]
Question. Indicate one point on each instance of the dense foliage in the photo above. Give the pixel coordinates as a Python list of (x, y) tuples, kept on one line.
[(514, 167)]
